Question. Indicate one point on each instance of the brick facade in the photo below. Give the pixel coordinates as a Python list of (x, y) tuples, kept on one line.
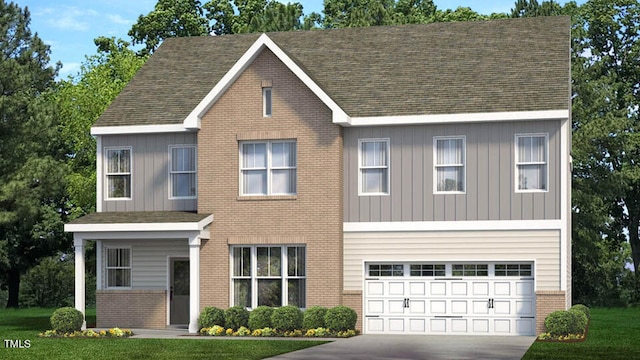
[(313, 217), (353, 299), (548, 301), (131, 308)]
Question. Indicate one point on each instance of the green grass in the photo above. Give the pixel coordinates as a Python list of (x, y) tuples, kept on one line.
[(613, 334), (25, 324)]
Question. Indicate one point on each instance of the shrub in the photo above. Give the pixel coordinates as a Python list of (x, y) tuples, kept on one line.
[(236, 317), (563, 323), (210, 316), (340, 318), (260, 317), (66, 320), (584, 309), (314, 317), (49, 284), (287, 318)]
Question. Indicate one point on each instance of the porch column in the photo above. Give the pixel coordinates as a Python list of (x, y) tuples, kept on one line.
[(78, 244), (194, 283)]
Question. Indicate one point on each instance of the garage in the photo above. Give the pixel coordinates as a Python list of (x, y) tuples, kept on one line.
[(496, 298)]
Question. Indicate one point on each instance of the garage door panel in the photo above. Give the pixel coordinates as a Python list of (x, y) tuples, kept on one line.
[(524, 288), (480, 307), (502, 326), (396, 288), (418, 307), (418, 325), (438, 325), (375, 307), (480, 326), (417, 288), (438, 288), (525, 326), (480, 288), (459, 288), (396, 324), (459, 307), (502, 288), (396, 306), (502, 307), (524, 307), (375, 288)]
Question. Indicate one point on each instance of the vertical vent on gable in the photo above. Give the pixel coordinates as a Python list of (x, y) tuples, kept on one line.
[(267, 101)]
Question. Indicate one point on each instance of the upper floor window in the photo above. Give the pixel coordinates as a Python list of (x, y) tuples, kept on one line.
[(267, 101), (118, 173), (268, 168), (449, 164), (374, 166), (118, 267), (531, 162), (182, 171)]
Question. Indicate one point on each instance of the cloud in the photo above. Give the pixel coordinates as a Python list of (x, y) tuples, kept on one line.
[(69, 69), (117, 19), (70, 18)]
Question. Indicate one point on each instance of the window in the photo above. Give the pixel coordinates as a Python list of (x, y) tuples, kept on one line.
[(269, 275), (531, 162), (470, 270), (428, 270), (118, 267), (386, 270), (118, 173), (268, 168), (374, 166), (266, 101), (449, 164), (512, 270), (182, 171)]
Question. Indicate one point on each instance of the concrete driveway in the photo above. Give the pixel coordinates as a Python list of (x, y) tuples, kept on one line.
[(387, 347)]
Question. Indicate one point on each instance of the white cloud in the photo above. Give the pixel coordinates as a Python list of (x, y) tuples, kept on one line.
[(117, 19), (70, 18), (69, 69)]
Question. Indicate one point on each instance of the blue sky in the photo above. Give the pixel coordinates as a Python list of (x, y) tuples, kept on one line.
[(69, 26)]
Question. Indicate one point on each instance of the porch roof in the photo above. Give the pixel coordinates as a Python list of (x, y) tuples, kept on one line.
[(140, 221)]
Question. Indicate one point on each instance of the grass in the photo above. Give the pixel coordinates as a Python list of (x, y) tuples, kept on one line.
[(25, 324), (613, 334)]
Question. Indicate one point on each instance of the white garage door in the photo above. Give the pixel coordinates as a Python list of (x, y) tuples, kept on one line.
[(452, 298)]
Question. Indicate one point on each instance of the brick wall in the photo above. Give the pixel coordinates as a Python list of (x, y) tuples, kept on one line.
[(353, 299), (313, 217), (131, 308), (548, 301)]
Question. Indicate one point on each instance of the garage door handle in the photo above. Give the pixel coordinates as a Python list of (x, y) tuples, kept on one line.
[(447, 317), (372, 316), (448, 278), (527, 317)]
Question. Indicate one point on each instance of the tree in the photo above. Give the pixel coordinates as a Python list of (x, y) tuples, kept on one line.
[(32, 201), (524, 8)]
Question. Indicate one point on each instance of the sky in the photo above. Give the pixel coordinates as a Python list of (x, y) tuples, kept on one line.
[(69, 26)]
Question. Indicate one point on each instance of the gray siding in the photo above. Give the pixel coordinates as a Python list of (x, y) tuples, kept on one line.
[(150, 172), (490, 175)]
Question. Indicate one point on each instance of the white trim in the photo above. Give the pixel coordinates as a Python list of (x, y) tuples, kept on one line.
[(269, 168), (516, 183), (106, 173), (137, 129), (99, 174), (565, 205), (168, 315), (361, 191), (139, 227), (452, 225), (195, 160), (456, 118), (99, 279), (435, 164), (192, 121), (79, 275), (194, 283)]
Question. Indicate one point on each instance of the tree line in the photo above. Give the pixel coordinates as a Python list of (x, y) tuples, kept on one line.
[(47, 156)]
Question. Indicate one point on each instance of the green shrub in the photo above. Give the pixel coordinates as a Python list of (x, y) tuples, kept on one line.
[(66, 320), (260, 317), (210, 316), (583, 308), (340, 318), (563, 323), (314, 317), (287, 318), (236, 317), (49, 284)]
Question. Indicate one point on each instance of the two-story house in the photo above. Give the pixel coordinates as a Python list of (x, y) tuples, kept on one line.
[(418, 174)]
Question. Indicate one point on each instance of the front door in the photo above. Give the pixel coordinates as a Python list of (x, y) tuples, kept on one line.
[(179, 292)]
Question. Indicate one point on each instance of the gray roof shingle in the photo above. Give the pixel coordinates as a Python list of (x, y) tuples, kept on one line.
[(438, 68), (140, 217)]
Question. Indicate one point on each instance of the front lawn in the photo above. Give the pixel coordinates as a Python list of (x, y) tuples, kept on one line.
[(613, 334), (25, 324)]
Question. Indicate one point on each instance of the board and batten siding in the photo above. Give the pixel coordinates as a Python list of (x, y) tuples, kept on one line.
[(490, 175), (540, 246), (150, 172), (148, 261)]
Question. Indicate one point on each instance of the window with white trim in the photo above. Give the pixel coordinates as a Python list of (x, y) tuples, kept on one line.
[(118, 173), (531, 162), (268, 168), (386, 270), (513, 270), (182, 171), (267, 101), (470, 270), (427, 270), (449, 164), (268, 275), (118, 266), (373, 164)]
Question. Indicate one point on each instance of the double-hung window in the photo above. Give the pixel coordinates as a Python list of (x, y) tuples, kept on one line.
[(449, 164), (118, 267), (531, 162), (268, 275), (182, 171), (118, 173), (268, 168), (373, 166)]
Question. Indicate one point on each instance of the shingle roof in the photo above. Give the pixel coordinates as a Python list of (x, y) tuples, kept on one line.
[(438, 68), (140, 217)]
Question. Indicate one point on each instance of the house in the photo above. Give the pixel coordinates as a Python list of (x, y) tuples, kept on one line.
[(418, 174)]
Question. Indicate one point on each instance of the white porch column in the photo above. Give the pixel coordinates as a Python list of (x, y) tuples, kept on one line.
[(78, 244), (194, 283)]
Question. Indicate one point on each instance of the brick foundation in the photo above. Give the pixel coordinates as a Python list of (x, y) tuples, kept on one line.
[(353, 299), (548, 301), (131, 308)]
